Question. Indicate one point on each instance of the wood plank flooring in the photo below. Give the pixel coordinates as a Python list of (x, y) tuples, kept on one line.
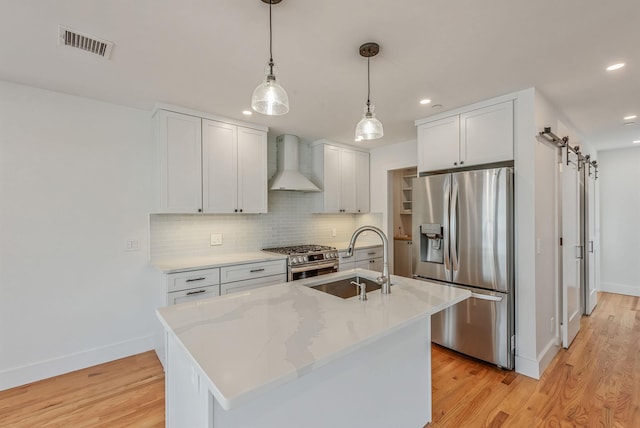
[(596, 383)]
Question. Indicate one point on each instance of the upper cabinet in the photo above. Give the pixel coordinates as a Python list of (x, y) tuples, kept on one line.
[(234, 168), (179, 143), (480, 136), (210, 166), (343, 176)]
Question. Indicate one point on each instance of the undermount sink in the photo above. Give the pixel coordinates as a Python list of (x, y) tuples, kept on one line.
[(343, 287)]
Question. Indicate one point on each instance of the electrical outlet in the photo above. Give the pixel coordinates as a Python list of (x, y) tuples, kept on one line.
[(132, 244), (334, 233), (216, 239)]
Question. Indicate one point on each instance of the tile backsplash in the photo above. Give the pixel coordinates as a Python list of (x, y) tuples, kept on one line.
[(288, 222)]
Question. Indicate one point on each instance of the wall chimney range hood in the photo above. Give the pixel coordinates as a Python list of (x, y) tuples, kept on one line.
[(288, 177)]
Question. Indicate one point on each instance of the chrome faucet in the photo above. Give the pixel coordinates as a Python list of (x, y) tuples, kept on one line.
[(384, 280)]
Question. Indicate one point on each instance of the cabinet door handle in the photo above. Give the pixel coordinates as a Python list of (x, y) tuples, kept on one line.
[(461, 162), (257, 270), (199, 210), (235, 210), (455, 163), (195, 292), (240, 209), (195, 279)]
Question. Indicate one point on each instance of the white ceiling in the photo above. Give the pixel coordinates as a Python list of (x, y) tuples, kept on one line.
[(210, 54)]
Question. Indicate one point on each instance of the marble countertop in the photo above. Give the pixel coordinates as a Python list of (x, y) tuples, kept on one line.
[(207, 262), (245, 344)]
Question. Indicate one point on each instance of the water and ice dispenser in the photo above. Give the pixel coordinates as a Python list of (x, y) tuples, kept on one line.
[(431, 243)]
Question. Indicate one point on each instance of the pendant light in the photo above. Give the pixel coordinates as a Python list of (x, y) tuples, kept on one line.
[(369, 128), (269, 97)]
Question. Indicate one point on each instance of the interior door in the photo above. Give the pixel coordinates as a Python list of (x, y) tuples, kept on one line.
[(572, 251), (591, 296)]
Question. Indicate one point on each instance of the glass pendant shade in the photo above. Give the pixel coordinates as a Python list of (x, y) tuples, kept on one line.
[(369, 128), (269, 97)]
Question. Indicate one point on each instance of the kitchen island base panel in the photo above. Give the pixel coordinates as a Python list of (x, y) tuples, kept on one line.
[(384, 383)]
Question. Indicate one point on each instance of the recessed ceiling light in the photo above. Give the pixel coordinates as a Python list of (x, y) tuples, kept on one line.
[(630, 117), (247, 112), (636, 142), (617, 66), (425, 101)]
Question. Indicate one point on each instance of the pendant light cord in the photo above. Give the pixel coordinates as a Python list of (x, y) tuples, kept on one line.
[(368, 85), (270, 41)]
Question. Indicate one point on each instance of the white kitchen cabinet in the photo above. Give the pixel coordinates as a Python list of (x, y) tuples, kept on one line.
[(192, 285), (179, 139), (479, 136), (439, 144), (344, 262), (343, 176), (370, 258), (486, 134), (249, 271), (363, 258), (234, 168), (210, 166)]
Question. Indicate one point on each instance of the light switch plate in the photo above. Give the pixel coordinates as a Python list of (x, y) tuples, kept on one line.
[(132, 244), (333, 232), (216, 239)]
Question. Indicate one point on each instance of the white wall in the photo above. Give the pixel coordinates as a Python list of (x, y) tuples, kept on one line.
[(383, 160), (619, 181), (75, 183)]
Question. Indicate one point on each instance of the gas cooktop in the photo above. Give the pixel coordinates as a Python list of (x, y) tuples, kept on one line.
[(300, 249)]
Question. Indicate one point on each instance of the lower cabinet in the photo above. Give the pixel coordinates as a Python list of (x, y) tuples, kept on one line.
[(204, 283), (364, 258), (193, 285), (252, 275), (402, 258)]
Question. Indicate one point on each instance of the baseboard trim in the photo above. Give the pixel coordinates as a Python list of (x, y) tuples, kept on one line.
[(535, 368), (22, 375), (611, 287)]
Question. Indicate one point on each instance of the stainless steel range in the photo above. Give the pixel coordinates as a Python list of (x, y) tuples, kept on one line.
[(306, 261)]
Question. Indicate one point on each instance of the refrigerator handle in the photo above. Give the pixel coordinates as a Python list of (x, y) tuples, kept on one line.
[(453, 228), (446, 192)]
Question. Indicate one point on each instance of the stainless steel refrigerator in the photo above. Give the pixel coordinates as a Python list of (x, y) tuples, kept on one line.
[(463, 236)]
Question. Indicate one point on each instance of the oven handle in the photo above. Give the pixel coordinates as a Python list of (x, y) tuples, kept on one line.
[(313, 267)]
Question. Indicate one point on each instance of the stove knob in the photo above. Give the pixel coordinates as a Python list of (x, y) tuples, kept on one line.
[(304, 259), (294, 260)]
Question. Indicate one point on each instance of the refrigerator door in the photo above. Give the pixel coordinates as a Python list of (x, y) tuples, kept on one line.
[(430, 224), (482, 228), (480, 326)]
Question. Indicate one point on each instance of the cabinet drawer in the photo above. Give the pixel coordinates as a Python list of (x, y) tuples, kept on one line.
[(193, 279), (193, 294), (368, 253), (252, 270), (248, 284)]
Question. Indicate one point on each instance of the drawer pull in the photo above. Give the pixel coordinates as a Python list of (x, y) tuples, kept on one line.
[(190, 293), (373, 253), (257, 270), (195, 279)]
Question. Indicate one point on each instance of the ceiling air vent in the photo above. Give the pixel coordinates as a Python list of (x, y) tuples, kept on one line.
[(87, 43)]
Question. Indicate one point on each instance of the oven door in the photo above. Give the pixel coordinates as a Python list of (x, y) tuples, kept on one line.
[(311, 270)]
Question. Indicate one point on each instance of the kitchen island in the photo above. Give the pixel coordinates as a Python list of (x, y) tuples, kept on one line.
[(288, 355)]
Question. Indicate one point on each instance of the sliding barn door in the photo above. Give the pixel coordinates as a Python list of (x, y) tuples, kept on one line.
[(571, 248), (591, 294)]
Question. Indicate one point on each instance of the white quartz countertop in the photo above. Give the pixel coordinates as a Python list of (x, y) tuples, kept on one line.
[(246, 344), (207, 262)]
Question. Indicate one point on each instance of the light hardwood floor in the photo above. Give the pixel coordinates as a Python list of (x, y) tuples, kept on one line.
[(596, 383)]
